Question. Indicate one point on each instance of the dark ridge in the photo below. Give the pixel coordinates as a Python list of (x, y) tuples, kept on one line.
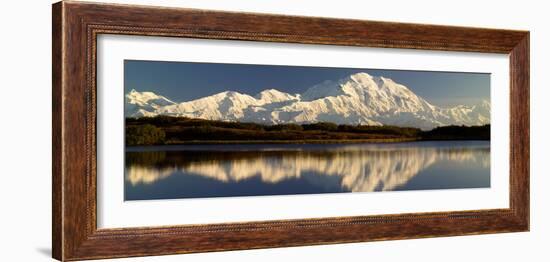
[(181, 130)]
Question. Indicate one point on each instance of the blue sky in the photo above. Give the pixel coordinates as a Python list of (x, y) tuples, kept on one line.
[(183, 81)]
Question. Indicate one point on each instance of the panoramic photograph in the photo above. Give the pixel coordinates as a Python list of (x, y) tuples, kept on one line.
[(200, 130)]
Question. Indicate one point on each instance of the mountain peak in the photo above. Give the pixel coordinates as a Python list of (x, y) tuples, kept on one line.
[(366, 80), (144, 103), (231, 93), (270, 91), (273, 95), (228, 93), (385, 79), (362, 85), (147, 97), (147, 94), (360, 76)]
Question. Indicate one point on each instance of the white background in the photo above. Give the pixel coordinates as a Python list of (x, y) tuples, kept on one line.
[(25, 82)]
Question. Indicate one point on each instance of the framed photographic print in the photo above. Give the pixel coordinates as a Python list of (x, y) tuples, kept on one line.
[(181, 130)]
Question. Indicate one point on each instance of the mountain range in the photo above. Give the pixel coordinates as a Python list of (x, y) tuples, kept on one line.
[(356, 99)]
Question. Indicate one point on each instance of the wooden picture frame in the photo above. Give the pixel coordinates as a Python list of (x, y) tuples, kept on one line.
[(76, 26)]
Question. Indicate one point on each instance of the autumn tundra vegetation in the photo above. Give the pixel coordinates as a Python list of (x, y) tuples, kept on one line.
[(161, 130)]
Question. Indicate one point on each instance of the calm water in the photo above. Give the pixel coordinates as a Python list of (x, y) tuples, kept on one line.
[(196, 171)]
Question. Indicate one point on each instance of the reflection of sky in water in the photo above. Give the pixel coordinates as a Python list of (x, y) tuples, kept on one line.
[(251, 170)]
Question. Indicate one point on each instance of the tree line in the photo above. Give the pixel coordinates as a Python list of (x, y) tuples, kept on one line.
[(173, 130)]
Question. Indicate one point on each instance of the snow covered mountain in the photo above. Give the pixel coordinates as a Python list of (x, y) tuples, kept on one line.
[(357, 99), (144, 103)]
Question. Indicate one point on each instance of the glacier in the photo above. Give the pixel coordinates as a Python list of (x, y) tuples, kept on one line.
[(358, 99)]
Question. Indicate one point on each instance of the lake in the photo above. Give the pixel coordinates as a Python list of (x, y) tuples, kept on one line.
[(199, 171)]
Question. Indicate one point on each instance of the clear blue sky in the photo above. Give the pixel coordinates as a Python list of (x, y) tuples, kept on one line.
[(182, 81)]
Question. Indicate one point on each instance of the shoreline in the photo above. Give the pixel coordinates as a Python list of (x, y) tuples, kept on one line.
[(183, 131), (305, 141), (308, 141)]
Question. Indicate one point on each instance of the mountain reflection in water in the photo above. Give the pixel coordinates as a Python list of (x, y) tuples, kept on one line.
[(319, 168)]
